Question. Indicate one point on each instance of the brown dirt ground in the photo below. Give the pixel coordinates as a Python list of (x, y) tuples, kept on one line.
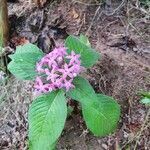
[(121, 37)]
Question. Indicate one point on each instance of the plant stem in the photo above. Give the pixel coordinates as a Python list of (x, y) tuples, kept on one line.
[(4, 29)]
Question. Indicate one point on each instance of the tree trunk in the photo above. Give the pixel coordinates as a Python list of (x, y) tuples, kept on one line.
[(4, 29)]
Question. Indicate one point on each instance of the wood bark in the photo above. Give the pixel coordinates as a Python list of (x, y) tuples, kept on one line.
[(4, 28)]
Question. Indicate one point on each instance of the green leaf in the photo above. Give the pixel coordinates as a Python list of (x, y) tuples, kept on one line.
[(22, 71), (47, 116), (101, 116), (84, 40), (82, 91), (145, 94), (27, 50), (145, 101), (100, 112), (24, 61), (88, 55)]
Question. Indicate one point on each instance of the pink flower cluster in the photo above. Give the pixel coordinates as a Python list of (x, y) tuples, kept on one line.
[(57, 70)]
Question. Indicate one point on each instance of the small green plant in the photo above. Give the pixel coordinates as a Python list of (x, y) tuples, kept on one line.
[(146, 98), (145, 3), (57, 78)]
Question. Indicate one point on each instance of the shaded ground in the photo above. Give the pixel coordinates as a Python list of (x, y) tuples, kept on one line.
[(122, 38)]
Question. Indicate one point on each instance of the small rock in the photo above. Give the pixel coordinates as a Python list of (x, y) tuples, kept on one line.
[(104, 146)]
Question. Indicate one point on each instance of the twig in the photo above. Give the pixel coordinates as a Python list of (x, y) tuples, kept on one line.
[(87, 4), (83, 21), (142, 128), (96, 12), (109, 24), (115, 10), (138, 134)]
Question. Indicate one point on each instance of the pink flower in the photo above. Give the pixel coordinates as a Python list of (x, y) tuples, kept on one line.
[(39, 67), (51, 75), (40, 87), (57, 70), (61, 51), (74, 58), (66, 71), (68, 84), (59, 83)]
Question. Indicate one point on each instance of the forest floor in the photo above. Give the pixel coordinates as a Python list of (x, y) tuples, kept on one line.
[(121, 33)]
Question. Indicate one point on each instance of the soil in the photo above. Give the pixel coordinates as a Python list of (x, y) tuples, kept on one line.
[(123, 71)]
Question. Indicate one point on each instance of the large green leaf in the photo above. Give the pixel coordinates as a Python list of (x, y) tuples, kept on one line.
[(82, 91), (85, 40), (88, 55), (22, 71), (30, 51), (101, 113), (24, 61), (47, 116), (102, 116)]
